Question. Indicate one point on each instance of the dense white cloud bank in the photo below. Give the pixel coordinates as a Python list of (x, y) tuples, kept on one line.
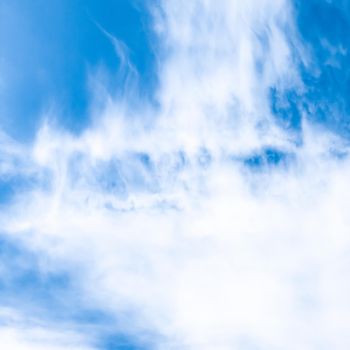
[(163, 218)]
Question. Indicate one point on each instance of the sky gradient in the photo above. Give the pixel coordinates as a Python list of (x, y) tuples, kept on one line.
[(174, 174)]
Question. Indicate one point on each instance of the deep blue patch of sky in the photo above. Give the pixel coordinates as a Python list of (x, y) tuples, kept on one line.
[(120, 342), (47, 49), (267, 158), (324, 26)]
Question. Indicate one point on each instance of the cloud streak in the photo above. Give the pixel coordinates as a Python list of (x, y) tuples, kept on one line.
[(201, 223)]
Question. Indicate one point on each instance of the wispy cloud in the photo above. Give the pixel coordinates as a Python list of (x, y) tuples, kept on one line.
[(201, 221)]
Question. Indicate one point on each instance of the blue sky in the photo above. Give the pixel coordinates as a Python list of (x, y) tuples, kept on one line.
[(48, 51), (173, 174)]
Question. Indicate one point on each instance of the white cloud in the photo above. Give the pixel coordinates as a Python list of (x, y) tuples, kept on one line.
[(198, 248), (19, 333)]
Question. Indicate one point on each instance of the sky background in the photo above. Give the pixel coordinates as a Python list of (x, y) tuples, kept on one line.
[(48, 52), (174, 174)]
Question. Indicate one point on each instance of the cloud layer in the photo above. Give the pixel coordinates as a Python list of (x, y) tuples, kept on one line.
[(204, 221)]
